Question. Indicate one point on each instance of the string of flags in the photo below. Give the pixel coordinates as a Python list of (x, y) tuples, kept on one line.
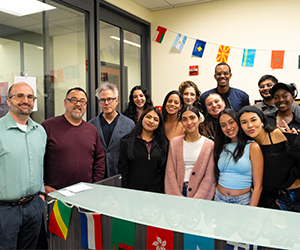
[(277, 56)]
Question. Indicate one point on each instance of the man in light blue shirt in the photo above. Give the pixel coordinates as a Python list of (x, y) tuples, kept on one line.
[(22, 148)]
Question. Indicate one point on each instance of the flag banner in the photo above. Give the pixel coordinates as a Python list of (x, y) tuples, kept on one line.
[(60, 219), (195, 242), (160, 33), (91, 231), (179, 42), (122, 234), (223, 53), (241, 246), (298, 62), (199, 48), (159, 239), (248, 57), (277, 59)]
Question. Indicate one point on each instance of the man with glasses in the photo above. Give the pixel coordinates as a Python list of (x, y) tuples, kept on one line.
[(22, 148), (111, 125), (74, 152), (233, 98), (267, 105)]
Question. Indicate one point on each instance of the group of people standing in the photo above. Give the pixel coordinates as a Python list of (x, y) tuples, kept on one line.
[(211, 146), (233, 154)]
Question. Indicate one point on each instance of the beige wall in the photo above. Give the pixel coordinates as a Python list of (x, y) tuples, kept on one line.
[(254, 24)]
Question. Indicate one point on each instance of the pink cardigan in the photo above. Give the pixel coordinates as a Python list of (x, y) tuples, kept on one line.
[(202, 181)]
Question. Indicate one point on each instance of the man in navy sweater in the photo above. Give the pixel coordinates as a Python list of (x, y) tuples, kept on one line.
[(233, 98)]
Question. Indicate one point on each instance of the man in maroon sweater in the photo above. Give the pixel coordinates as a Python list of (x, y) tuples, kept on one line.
[(74, 152)]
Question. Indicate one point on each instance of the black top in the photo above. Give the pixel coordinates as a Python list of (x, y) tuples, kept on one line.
[(145, 172), (108, 128), (281, 169), (295, 123)]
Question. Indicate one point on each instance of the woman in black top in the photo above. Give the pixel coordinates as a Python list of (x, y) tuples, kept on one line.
[(143, 154), (281, 178)]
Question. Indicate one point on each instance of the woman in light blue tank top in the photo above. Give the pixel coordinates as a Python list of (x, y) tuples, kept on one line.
[(238, 163)]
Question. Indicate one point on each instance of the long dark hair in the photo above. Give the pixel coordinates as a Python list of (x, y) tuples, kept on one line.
[(158, 134), (261, 115), (221, 140), (131, 108), (173, 92)]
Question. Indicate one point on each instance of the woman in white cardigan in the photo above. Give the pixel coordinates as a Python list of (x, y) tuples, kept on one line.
[(190, 165)]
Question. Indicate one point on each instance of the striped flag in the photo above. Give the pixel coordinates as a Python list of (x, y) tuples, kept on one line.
[(248, 57), (223, 53), (59, 220), (179, 42), (91, 231), (241, 246), (160, 33)]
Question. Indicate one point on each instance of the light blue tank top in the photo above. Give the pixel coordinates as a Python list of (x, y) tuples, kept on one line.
[(235, 175)]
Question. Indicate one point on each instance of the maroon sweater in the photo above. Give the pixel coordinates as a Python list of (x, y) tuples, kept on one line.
[(73, 153)]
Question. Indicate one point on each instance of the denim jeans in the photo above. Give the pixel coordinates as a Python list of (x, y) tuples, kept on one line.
[(184, 189), (243, 199), (288, 200)]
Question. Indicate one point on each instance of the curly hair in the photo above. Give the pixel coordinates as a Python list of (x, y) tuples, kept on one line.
[(187, 84), (131, 111)]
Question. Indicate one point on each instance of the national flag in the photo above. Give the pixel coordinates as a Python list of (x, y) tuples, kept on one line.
[(223, 53), (241, 246), (248, 57), (277, 59), (91, 231), (122, 234), (298, 62), (60, 218), (199, 48), (194, 242), (158, 238), (160, 33), (179, 42)]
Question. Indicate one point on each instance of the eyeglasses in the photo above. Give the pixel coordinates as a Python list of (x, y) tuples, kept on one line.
[(21, 96), (108, 100), (269, 85), (74, 100)]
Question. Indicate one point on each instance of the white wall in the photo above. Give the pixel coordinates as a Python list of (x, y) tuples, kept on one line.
[(252, 24)]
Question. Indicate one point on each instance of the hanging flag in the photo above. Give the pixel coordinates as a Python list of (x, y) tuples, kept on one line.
[(159, 239), (60, 218), (160, 33), (223, 53), (91, 231), (277, 59), (179, 42), (248, 57), (241, 246), (198, 242), (199, 48), (298, 62), (122, 234)]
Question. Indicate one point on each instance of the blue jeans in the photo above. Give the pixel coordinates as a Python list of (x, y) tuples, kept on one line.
[(243, 199), (288, 200), (184, 189)]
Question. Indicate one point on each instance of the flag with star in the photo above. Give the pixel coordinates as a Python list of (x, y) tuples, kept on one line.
[(179, 42), (196, 242), (277, 59), (223, 53), (160, 33), (199, 48), (248, 57), (241, 246)]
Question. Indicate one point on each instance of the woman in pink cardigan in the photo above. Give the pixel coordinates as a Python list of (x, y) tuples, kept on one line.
[(190, 165)]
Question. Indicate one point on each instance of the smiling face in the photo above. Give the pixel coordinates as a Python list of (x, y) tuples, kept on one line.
[(150, 121), (264, 89), (190, 121), (222, 75), (75, 111), (251, 124), (173, 105), (283, 100), (214, 105), (139, 98), (229, 127), (189, 96)]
